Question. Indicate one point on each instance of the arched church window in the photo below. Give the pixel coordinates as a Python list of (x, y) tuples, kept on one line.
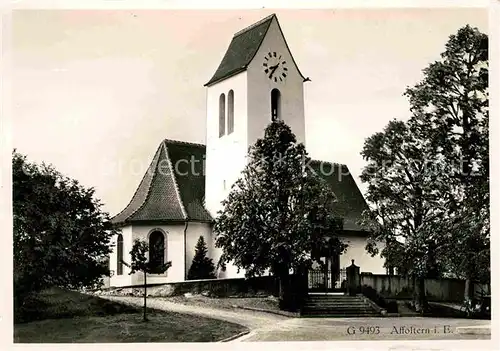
[(230, 112), (119, 255), (222, 115), (275, 105), (156, 249)]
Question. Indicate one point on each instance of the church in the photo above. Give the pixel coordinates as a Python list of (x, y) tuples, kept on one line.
[(175, 202)]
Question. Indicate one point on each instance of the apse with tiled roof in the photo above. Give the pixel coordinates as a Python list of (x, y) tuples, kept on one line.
[(257, 81)]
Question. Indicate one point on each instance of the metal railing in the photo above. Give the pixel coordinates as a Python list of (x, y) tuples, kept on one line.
[(341, 279), (324, 280)]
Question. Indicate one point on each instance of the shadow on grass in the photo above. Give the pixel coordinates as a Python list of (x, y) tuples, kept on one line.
[(60, 316), (161, 327), (59, 303)]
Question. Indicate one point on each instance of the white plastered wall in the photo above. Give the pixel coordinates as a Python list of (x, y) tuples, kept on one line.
[(124, 279), (356, 251), (260, 86)]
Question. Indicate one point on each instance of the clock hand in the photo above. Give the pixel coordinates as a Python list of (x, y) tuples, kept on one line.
[(273, 69)]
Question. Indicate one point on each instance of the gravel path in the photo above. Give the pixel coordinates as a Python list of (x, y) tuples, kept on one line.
[(262, 303), (270, 327), (375, 328)]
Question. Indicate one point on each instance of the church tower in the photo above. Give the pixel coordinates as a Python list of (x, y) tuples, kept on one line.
[(257, 81)]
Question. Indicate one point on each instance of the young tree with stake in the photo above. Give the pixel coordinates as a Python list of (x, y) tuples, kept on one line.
[(141, 263)]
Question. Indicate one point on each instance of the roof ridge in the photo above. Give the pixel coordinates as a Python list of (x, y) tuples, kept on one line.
[(173, 141), (242, 49), (174, 179), (138, 186), (267, 18), (151, 183), (290, 51), (331, 163)]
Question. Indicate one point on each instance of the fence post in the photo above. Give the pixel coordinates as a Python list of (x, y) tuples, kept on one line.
[(353, 279)]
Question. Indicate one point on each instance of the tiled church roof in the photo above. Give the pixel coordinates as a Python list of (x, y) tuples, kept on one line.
[(351, 202), (173, 187), (242, 50)]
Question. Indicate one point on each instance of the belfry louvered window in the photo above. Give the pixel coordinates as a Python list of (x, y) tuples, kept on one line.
[(275, 105)]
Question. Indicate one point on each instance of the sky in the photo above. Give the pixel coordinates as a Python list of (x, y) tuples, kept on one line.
[(94, 92)]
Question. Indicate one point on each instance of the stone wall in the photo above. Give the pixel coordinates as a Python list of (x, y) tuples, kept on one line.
[(240, 287), (398, 287)]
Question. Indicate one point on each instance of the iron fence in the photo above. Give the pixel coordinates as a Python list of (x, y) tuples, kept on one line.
[(324, 280)]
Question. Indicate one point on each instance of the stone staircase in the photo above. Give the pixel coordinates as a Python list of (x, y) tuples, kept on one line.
[(338, 305)]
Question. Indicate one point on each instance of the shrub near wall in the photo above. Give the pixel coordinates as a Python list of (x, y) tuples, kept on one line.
[(390, 306), (445, 289)]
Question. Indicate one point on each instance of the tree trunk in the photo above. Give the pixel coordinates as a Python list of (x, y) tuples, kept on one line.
[(145, 319), (469, 294), (284, 291), (469, 289), (283, 286), (419, 297)]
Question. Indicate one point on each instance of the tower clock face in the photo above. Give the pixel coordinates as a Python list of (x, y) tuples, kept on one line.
[(275, 67)]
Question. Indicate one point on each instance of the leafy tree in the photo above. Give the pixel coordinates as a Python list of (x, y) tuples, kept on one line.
[(401, 175), (141, 263), (442, 209), (450, 106), (278, 214), (469, 258), (61, 234), (202, 267)]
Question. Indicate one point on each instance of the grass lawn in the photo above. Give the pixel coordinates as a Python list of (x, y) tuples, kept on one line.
[(71, 317)]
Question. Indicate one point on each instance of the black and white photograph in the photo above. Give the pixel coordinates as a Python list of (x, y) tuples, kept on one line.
[(250, 175)]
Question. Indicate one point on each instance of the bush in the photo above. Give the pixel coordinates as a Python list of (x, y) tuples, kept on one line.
[(30, 309), (392, 306), (202, 266), (290, 303), (372, 294)]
